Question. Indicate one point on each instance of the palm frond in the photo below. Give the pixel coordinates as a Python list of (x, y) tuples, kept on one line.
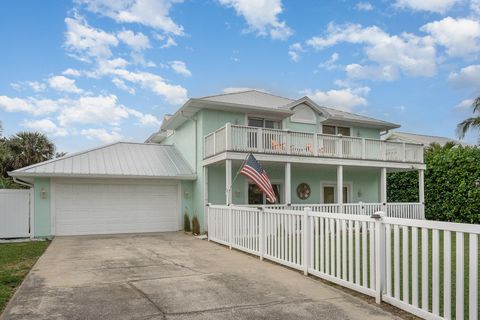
[(466, 125)]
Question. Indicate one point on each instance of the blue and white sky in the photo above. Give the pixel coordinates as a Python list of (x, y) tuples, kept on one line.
[(90, 72)]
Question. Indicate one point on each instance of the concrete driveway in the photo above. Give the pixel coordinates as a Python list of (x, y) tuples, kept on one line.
[(172, 276)]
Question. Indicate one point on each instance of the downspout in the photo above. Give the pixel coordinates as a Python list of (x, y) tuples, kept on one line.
[(22, 182)]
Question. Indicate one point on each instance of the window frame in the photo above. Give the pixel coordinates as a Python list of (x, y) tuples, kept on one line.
[(336, 129)]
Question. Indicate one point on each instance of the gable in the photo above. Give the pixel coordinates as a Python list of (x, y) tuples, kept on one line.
[(303, 114)]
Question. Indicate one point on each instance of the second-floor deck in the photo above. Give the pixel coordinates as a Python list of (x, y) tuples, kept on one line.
[(285, 142)]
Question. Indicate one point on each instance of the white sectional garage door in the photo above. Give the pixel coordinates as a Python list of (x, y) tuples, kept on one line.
[(107, 207)]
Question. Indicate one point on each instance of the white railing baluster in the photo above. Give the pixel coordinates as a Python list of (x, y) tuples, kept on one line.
[(459, 314), (447, 274), (473, 277)]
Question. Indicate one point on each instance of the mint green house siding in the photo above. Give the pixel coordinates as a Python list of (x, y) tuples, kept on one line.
[(364, 183), (42, 218)]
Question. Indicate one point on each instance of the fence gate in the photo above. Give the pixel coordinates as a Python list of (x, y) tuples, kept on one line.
[(15, 208)]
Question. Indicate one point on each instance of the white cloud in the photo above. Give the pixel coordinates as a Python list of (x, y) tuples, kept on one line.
[(169, 43), (466, 77), (145, 120), (151, 13), (343, 99), (28, 105), (137, 41), (180, 67), (46, 126), (364, 6), (120, 84), (63, 84), (438, 6), (37, 86), (86, 42), (460, 37), (330, 64), (102, 135), (295, 50), (376, 73), (93, 110), (261, 17), (71, 72), (409, 53), (465, 104), (475, 6), (174, 94)]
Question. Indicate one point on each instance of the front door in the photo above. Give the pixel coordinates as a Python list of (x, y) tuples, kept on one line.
[(330, 193), (256, 196)]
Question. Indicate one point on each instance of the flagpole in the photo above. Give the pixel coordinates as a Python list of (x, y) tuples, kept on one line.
[(236, 175)]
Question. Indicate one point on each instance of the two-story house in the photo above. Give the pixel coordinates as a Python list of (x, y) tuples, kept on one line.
[(312, 154)]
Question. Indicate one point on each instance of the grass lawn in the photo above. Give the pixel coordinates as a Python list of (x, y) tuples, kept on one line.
[(16, 259)]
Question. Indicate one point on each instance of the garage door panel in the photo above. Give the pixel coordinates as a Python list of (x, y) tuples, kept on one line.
[(102, 208)]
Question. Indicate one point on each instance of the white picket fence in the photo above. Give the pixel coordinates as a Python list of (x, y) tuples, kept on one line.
[(405, 210), (15, 208), (398, 261)]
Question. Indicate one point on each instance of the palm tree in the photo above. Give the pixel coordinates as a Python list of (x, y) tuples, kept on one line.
[(28, 148), (471, 123)]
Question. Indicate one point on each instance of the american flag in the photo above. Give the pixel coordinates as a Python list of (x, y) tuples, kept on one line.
[(254, 171)]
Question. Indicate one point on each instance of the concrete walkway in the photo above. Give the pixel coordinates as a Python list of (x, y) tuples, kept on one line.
[(172, 276)]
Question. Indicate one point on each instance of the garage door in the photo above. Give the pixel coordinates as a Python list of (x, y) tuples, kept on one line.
[(109, 207)]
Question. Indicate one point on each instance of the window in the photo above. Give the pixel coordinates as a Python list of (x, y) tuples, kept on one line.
[(344, 131), (264, 123), (329, 193), (256, 196)]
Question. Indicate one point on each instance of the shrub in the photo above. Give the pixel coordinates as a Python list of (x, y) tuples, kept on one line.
[(186, 223), (451, 193), (195, 226)]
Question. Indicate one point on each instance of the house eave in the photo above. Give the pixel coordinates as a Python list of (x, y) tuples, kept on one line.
[(98, 176), (192, 106)]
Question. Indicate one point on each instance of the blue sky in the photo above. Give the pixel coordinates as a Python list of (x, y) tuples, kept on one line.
[(90, 72)]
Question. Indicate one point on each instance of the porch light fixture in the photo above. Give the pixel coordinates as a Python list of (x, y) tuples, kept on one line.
[(186, 194), (43, 193)]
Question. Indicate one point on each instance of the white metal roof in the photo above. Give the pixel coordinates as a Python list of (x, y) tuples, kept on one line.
[(251, 98), (264, 103), (420, 138), (118, 160)]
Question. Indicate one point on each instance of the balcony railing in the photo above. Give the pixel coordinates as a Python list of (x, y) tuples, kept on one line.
[(285, 142)]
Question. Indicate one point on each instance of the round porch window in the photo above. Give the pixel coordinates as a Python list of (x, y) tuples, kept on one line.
[(303, 191)]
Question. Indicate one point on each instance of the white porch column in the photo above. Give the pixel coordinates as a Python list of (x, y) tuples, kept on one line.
[(421, 186), (228, 181), (340, 185), (288, 183), (383, 185)]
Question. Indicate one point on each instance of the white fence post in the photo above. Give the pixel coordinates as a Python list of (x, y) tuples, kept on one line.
[(379, 255), (306, 239), (230, 226), (261, 232), (208, 221)]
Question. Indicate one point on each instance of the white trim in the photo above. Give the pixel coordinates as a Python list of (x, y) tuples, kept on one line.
[(104, 176), (315, 160), (32, 212), (330, 183), (308, 120)]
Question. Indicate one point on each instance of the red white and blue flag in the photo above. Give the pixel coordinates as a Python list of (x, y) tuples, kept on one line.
[(255, 172)]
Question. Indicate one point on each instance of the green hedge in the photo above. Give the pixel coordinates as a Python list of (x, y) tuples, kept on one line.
[(451, 193)]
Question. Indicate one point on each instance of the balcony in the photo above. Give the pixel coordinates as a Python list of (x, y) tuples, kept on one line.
[(284, 142)]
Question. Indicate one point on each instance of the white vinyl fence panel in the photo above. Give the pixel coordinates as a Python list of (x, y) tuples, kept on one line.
[(15, 209), (427, 268)]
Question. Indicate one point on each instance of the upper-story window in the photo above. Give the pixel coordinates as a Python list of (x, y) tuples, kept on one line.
[(344, 131), (264, 123)]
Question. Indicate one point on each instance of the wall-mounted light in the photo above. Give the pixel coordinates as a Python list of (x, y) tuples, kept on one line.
[(359, 193), (43, 193), (237, 193), (186, 194)]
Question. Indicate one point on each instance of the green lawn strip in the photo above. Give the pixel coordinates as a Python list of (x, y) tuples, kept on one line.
[(16, 259)]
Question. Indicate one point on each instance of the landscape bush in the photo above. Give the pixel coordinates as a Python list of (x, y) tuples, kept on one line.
[(452, 192)]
